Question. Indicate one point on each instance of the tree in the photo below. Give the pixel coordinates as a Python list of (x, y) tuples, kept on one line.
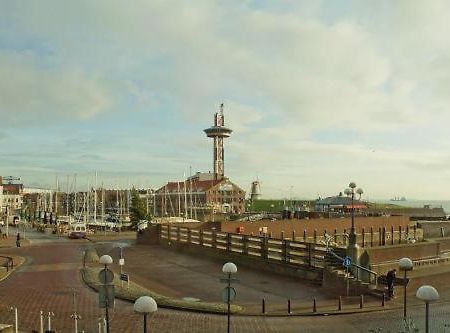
[(138, 209)]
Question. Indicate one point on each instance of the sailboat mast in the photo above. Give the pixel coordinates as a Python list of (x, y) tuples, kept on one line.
[(88, 206), (185, 198), (179, 198), (147, 201), (103, 207), (75, 207), (67, 197), (95, 199), (56, 197)]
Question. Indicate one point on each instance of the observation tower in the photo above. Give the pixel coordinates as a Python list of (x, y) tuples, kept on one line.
[(218, 132)]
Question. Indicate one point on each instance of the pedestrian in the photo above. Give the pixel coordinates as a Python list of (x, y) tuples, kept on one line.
[(18, 239), (390, 279)]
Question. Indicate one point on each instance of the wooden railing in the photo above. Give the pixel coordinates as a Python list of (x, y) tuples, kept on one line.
[(269, 249)]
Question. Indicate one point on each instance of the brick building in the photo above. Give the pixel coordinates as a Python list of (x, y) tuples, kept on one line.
[(199, 194)]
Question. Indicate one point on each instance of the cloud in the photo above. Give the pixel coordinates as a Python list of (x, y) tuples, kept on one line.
[(32, 95), (287, 73)]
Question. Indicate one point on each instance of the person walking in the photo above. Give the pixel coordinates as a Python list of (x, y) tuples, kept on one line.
[(390, 279), (18, 239)]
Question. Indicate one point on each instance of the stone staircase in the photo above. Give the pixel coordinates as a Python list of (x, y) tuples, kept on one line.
[(336, 277)]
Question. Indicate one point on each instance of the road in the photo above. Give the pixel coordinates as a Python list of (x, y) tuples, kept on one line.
[(45, 282)]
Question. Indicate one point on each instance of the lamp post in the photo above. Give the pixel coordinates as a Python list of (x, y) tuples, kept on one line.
[(106, 260), (350, 191), (405, 264), (145, 305), (427, 294), (229, 292)]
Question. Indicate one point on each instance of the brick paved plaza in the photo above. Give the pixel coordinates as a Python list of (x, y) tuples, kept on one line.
[(44, 282)]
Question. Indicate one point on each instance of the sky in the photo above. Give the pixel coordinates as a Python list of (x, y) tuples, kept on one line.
[(318, 93)]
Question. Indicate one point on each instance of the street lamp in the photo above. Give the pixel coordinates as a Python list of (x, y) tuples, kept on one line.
[(427, 294), (350, 191), (107, 278), (145, 305), (405, 264), (229, 292)]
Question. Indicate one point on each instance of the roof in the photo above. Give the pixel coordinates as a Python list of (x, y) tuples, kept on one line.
[(195, 185), (340, 201)]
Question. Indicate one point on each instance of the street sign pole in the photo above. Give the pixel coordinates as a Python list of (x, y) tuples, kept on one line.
[(348, 283), (121, 263), (228, 291)]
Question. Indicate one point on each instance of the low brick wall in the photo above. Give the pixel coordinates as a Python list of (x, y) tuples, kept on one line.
[(434, 229), (395, 252), (444, 243)]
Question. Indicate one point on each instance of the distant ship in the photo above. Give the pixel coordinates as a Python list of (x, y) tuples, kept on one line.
[(398, 199)]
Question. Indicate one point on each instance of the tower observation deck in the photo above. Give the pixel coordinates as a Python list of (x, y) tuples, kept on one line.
[(218, 132)]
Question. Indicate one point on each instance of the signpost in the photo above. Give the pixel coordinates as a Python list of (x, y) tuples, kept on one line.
[(228, 294), (106, 276), (347, 262), (121, 264), (125, 277), (106, 296)]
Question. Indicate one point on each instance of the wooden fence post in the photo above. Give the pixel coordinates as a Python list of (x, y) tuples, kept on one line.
[(363, 237), (371, 236), (282, 234), (293, 235), (178, 234), (189, 236), (304, 235), (228, 242), (214, 238), (200, 237), (399, 234), (264, 247), (245, 244), (285, 250), (310, 263), (392, 233), (315, 236)]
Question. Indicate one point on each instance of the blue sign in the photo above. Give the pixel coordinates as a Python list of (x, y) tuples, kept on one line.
[(347, 262)]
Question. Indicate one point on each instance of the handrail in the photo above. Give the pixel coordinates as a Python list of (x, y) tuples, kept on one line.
[(375, 274), (9, 260)]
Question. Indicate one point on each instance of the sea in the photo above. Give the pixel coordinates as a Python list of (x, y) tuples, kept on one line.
[(420, 203)]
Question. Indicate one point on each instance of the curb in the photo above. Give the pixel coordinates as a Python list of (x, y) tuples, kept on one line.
[(168, 299)]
